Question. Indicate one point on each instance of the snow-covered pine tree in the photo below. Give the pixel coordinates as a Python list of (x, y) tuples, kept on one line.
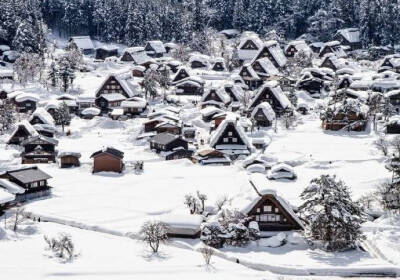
[(330, 215), (65, 73), (62, 116), (7, 116)]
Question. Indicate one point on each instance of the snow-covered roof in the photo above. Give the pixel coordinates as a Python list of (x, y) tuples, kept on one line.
[(43, 115), (276, 52), (134, 103), (217, 134), (126, 81), (268, 67), (220, 92), (282, 166), (83, 42), (352, 35), (204, 59), (26, 96), (91, 111), (31, 130), (260, 183), (248, 55), (113, 97), (250, 70), (68, 153), (182, 221), (5, 196), (299, 45), (11, 187), (276, 91), (6, 73), (117, 112), (157, 46), (267, 110)]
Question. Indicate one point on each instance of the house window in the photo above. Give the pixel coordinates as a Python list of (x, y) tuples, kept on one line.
[(234, 140), (267, 208), (258, 210), (226, 140), (230, 133), (34, 185)]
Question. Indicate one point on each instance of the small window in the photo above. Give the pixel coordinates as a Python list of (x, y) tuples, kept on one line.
[(226, 140), (234, 140), (258, 210), (267, 208), (230, 133), (276, 210), (257, 218)]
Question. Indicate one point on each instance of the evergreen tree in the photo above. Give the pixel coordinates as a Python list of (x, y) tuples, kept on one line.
[(62, 116), (330, 215), (7, 116)]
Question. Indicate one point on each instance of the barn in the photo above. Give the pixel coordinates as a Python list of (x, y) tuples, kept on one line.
[(108, 159)]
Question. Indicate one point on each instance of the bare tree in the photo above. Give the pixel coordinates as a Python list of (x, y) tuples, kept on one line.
[(207, 252), (382, 145), (18, 218), (154, 233)]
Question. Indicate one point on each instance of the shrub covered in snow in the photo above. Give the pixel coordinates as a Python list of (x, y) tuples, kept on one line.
[(331, 217), (213, 234), (389, 194), (62, 246)]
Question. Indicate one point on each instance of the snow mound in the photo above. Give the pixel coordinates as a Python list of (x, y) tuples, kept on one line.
[(274, 241)]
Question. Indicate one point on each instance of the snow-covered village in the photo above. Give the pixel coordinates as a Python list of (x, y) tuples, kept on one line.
[(199, 139)]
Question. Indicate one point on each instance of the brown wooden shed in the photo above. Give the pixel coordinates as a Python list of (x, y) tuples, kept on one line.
[(69, 159), (108, 160)]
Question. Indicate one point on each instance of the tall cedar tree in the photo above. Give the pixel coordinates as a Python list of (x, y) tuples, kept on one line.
[(330, 215)]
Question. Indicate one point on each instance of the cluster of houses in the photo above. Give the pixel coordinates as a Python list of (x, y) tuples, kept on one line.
[(252, 96)]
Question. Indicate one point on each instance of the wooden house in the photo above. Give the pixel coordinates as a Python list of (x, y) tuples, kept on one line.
[(349, 37), (250, 77), (218, 119), (199, 61), (209, 112), (345, 82), (45, 130), (39, 149), (210, 156), (107, 102), (294, 46), (6, 74), (215, 97), (332, 62), (182, 74), (264, 68), (177, 153), (270, 211), (165, 142), (249, 47), (235, 92), (151, 124), (26, 183), (41, 116), (170, 47), (69, 159), (108, 160), (138, 71), (263, 115), (26, 102), (174, 65), (316, 47), (130, 53), (350, 115), (106, 51), (155, 49), (393, 125), (273, 52), (230, 139), (23, 131), (169, 127), (83, 43), (134, 106), (272, 93), (182, 226), (390, 62), (84, 102), (190, 86), (218, 64), (332, 47), (394, 99)]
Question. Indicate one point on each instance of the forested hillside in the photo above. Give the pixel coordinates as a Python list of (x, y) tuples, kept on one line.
[(135, 21)]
